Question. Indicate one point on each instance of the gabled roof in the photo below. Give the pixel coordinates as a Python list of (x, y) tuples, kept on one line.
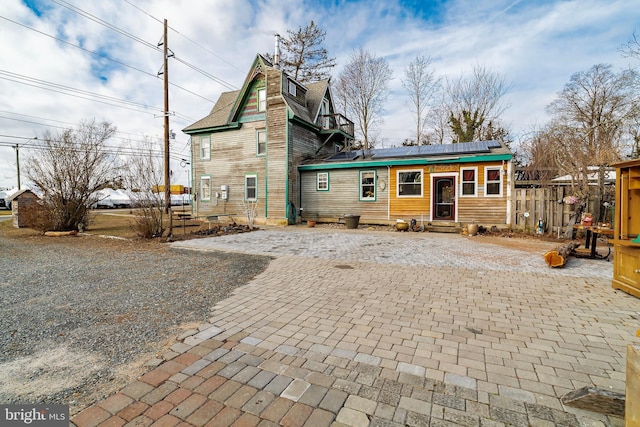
[(219, 115), (226, 108)]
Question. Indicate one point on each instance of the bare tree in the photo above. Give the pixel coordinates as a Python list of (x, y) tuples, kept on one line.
[(303, 55), (70, 168), (631, 49), (421, 84), (363, 86), (144, 173), (473, 102), (590, 117)]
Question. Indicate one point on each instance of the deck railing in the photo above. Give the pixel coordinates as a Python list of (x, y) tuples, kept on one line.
[(335, 122)]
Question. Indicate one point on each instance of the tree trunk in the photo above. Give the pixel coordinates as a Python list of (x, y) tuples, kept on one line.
[(559, 256)]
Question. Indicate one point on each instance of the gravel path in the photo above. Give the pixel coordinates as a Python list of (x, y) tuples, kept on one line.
[(80, 315)]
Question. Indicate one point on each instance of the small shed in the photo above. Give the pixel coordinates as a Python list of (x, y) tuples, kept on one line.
[(23, 207)]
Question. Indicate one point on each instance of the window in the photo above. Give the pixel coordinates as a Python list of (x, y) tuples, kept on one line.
[(493, 181), (367, 185), (205, 148), (292, 88), (251, 188), (322, 181), (205, 188), (261, 141), (262, 99), (410, 183), (469, 187)]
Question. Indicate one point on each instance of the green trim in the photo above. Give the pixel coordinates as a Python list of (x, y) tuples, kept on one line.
[(286, 166), (255, 118), (230, 126), (404, 162), (328, 181)]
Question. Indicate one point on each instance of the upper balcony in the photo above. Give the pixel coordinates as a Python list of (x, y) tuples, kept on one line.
[(335, 123)]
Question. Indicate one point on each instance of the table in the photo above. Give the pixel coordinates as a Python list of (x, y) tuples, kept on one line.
[(591, 240)]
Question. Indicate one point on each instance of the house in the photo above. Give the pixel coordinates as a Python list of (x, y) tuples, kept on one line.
[(248, 149), (450, 184)]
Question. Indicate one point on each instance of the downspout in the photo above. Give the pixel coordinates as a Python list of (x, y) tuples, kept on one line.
[(191, 172), (509, 192), (286, 166), (388, 193)]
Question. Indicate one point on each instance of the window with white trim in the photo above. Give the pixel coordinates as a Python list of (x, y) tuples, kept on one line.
[(261, 142), (322, 181), (410, 183), (469, 180), (251, 188), (205, 148), (205, 188), (292, 88), (493, 181), (367, 185), (262, 99)]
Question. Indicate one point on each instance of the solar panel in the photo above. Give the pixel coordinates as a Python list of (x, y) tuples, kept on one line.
[(343, 156), (436, 150)]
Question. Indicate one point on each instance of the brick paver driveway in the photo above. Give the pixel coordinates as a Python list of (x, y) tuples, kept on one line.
[(367, 328)]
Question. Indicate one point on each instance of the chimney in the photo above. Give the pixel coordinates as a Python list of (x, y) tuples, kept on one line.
[(276, 53)]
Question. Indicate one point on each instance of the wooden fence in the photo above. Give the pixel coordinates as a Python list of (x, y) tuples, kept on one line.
[(535, 204)]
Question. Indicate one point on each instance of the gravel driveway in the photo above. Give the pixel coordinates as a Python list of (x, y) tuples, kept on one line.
[(80, 315)]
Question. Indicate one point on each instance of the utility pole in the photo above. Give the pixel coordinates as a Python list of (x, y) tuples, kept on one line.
[(17, 148), (167, 179)]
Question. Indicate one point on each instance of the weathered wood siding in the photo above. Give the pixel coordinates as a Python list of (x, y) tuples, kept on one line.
[(249, 109), (483, 209), (233, 155), (342, 198), (277, 162), (303, 145)]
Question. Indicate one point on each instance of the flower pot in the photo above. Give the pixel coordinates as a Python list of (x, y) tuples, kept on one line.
[(472, 229), (351, 221), (311, 223), (402, 226)]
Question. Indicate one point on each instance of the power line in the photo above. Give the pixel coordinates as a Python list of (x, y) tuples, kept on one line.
[(187, 38), (104, 23), (15, 77), (100, 55)]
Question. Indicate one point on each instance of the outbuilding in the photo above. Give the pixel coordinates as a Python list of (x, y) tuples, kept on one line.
[(24, 205)]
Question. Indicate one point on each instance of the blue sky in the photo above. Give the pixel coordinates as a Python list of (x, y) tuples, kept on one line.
[(536, 45)]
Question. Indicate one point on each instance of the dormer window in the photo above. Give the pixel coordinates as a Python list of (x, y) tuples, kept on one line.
[(292, 88)]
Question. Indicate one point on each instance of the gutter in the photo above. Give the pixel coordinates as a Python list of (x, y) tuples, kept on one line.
[(230, 126), (404, 162)]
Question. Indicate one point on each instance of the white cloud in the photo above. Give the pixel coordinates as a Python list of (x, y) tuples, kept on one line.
[(536, 46)]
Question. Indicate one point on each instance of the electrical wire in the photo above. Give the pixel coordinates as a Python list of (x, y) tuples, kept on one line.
[(187, 38), (100, 55)]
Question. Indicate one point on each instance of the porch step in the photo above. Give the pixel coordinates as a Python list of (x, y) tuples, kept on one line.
[(451, 227)]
